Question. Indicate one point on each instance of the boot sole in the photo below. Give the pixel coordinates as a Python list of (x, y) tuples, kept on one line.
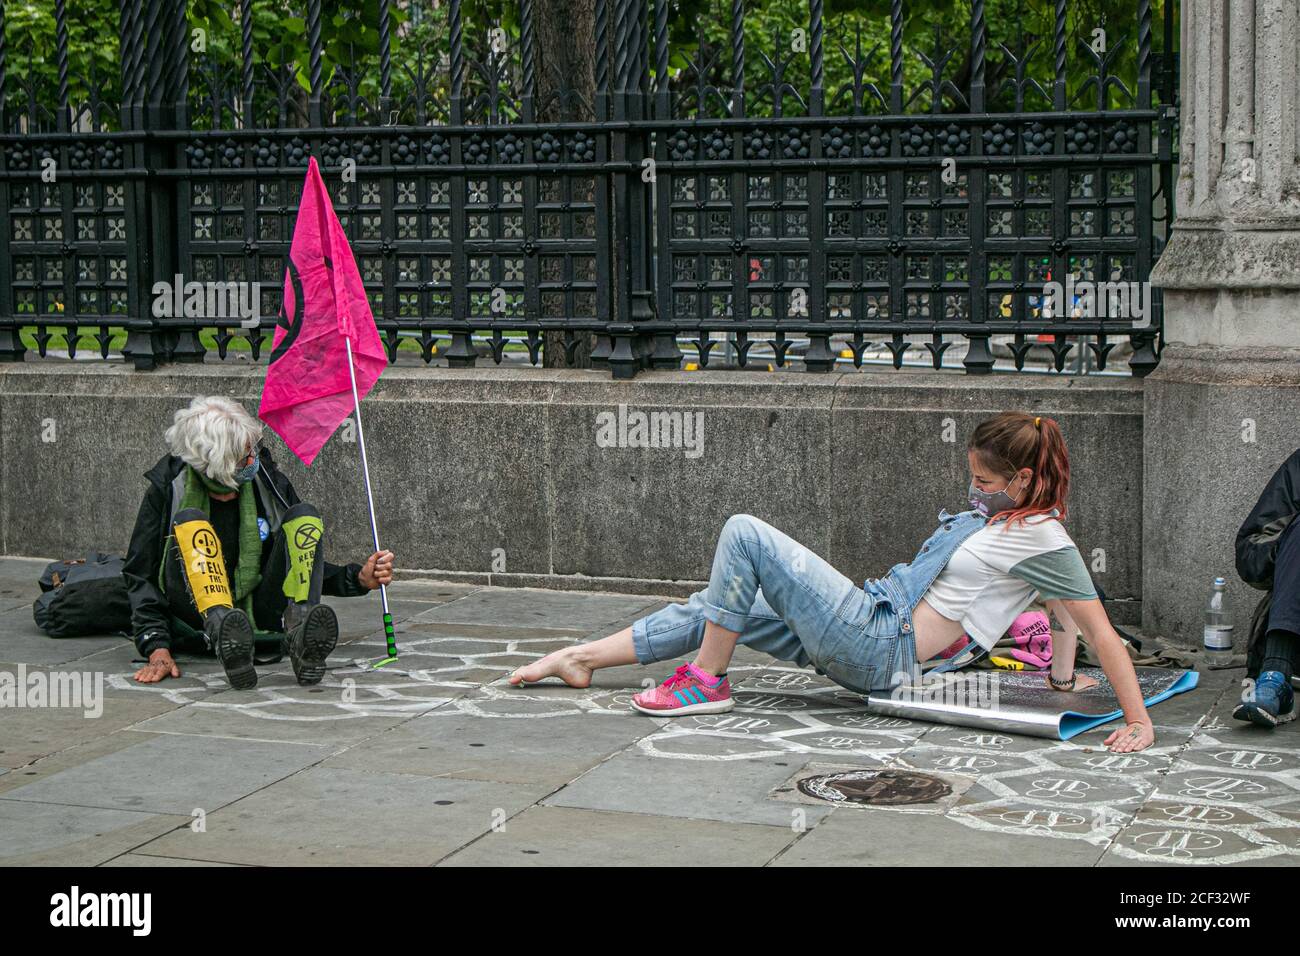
[(1257, 715), (320, 635), (235, 650)]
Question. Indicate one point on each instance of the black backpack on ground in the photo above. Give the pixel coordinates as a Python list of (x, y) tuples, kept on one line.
[(83, 597)]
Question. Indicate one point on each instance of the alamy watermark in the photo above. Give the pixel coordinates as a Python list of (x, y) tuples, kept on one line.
[(82, 690), (658, 429), (976, 691), (1087, 299), (73, 909), (214, 301)]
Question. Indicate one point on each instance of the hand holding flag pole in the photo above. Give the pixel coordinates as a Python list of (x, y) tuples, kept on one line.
[(370, 500), (324, 325)]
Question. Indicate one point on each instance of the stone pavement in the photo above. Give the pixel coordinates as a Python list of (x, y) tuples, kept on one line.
[(436, 760)]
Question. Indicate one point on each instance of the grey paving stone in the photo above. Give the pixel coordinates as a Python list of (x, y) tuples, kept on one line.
[(724, 789), (459, 653), (878, 836), (426, 590), (361, 617), (524, 607), (30, 734), (21, 641), (1147, 846), (563, 836), (353, 818), (148, 776), (1197, 781), (73, 756), (51, 835), (345, 707), (1185, 710), (141, 860), (549, 751), (1187, 832)]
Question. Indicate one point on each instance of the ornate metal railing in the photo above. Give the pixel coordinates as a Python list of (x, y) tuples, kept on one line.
[(902, 198)]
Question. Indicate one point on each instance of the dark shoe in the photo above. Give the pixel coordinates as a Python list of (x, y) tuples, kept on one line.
[(312, 631), (230, 636), (1269, 702)]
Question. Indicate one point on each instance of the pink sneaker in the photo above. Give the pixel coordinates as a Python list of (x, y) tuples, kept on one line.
[(688, 691), (1032, 633)]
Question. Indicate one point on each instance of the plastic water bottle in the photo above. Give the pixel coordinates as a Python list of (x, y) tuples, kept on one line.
[(1218, 627)]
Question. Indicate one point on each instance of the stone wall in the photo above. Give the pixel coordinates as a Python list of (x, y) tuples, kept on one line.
[(498, 475)]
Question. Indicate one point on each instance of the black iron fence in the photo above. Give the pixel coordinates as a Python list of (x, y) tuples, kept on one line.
[(926, 198)]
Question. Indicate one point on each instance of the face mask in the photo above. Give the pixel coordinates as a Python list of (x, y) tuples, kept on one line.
[(989, 503), (247, 472)]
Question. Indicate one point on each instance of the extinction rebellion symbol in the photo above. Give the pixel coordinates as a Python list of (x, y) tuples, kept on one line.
[(306, 536)]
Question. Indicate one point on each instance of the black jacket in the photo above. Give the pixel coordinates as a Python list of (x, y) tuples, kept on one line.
[(1256, 545), (1258, 536), (149, 615)]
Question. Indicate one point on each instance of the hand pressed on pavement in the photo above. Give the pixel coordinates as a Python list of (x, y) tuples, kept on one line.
[(160, 666), (1138, 735)]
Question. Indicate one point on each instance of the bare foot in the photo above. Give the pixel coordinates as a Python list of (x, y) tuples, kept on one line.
[(563, 664)]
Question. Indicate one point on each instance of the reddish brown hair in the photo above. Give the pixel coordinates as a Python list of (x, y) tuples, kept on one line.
[(1013, 440)]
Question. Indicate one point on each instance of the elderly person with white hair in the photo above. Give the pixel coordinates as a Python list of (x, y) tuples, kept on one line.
[(225, 556)]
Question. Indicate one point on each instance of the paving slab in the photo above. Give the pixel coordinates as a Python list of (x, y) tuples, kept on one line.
[(41, 834), (428, 590), (361, 617), (72, 756), (563, 836), (730, 790), (344, 708), (878, 836), (148, 776), (22, 641), (447, 742), (527, 607), (32, 733), (141, 860), (348, 817), (457, 654), (1189, 832)]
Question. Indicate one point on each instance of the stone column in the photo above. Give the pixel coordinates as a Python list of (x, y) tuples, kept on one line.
[(1222, 410)]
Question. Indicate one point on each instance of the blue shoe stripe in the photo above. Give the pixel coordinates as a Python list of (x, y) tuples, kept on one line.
[(681, 697)]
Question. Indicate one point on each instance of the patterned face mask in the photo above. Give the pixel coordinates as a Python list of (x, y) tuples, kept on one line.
[(989, 503), (247, 472)]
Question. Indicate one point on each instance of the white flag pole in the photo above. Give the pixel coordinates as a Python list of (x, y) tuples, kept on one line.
[(370, 501)]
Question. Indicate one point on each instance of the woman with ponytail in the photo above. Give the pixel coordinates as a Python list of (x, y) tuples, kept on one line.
[(975, 574)]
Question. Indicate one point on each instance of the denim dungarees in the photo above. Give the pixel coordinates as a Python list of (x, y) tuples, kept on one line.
[(787, 602)]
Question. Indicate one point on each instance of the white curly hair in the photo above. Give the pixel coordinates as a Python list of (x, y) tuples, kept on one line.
[(213, 436)]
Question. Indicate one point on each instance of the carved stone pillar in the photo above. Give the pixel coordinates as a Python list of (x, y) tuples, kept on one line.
[(1223, 407)]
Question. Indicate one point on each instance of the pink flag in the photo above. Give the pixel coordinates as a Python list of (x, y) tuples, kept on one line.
[(308, 391)]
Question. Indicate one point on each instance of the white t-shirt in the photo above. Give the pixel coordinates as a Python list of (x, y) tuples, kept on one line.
[(992, 577)]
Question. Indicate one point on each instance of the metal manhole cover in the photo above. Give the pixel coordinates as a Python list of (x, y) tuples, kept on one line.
[(877, 788), (903, 789)]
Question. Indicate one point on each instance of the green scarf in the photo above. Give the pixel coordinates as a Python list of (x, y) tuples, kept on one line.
[(248, 569)]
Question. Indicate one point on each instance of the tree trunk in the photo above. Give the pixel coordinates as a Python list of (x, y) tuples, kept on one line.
[(565, 57)]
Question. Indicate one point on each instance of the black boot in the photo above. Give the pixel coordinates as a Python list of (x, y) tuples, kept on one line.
[(230, 636), (311, 631)]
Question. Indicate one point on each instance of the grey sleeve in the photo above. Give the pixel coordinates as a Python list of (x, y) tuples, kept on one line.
[(1057, 575)]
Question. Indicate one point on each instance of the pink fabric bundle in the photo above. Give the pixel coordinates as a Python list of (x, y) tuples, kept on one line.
[(1032, 633)]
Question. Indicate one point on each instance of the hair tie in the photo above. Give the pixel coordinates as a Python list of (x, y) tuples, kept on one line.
[(1036, 421)]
